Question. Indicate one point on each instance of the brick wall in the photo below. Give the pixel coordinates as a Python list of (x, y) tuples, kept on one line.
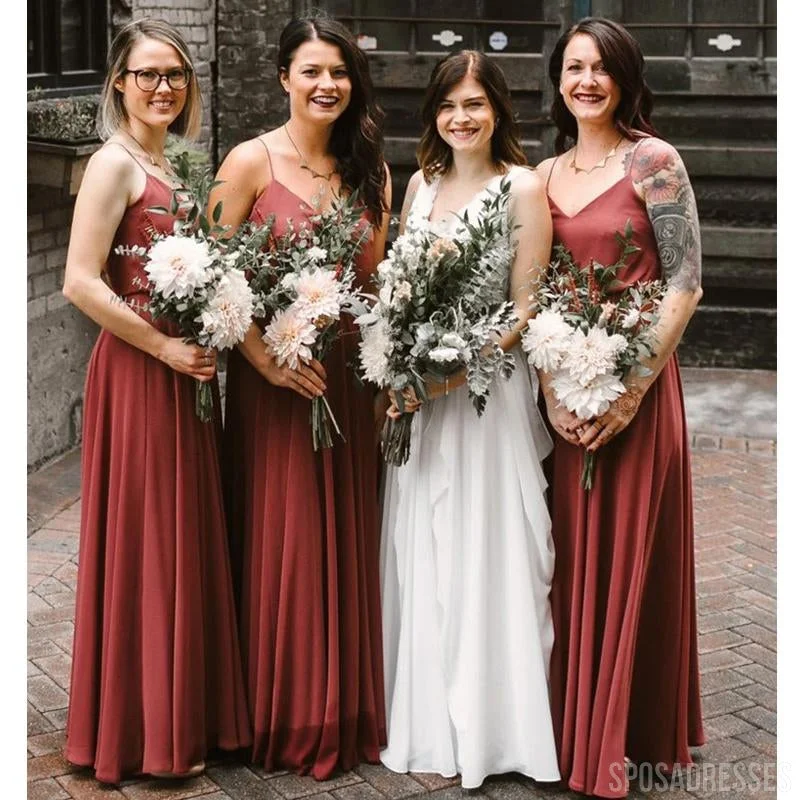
[(60, 337), (249, 97)]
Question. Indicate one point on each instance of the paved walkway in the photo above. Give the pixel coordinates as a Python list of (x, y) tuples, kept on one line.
[(735, 512)]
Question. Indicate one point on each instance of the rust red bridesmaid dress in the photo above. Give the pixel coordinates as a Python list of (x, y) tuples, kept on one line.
[(306, 533), (156, 671), (624, 672)]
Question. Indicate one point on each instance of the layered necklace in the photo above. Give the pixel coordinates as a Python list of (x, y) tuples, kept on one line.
[(326, 176), (600, 164), (163, 164)]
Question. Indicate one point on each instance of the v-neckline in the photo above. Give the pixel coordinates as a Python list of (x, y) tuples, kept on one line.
[(593, 200), (465, 206)]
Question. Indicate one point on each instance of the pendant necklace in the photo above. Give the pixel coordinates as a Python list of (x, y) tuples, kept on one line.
[(600, 164), (304, 162), (164, 166)]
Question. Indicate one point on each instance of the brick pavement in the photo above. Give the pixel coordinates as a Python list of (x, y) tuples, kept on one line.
[(735, 512)]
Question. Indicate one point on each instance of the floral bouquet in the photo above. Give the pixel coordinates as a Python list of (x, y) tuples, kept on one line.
[(441, 306), (590, 332), (196, 279), (304, 281)]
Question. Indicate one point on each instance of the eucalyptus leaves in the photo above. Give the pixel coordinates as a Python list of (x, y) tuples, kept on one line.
[(441, 307)]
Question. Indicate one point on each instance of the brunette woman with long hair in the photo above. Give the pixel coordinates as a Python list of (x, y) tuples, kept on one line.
[(466, 553), (304, 524), (156, 672), (624, 675)]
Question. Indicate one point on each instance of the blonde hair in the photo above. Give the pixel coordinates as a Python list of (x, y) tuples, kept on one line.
[(111, 112)]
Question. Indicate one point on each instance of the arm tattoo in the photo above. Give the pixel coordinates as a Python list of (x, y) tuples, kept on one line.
[(659, 174)]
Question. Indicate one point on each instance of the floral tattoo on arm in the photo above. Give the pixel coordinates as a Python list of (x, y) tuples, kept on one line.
[(660, 177)]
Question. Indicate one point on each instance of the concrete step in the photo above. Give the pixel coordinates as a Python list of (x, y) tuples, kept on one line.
[(746, 274), (714, 117), (743, 338), (746, 160), (739, 202), (723, 240)]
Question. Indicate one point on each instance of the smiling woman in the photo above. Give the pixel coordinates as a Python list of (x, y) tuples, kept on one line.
[(156, 679), (304, 524), (466, 552), (623, 590)]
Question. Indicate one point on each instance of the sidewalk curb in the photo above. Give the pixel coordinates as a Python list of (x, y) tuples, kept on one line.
[(713, 441)]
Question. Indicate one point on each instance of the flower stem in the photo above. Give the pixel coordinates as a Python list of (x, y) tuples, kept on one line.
[(587, 476), (321, 419), (203, 401), (396, 440)]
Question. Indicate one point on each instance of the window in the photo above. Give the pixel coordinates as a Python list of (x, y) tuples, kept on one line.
[(67, 42)]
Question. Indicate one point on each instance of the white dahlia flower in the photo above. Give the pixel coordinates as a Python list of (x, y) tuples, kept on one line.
[(178, 265), (547, 340), (228, 314), (592, 354), (374, 348), (445, 355), (289, 336), (589, 400), (318, 293)]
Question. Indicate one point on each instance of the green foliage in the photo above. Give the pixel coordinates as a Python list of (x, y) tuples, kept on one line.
[(340, 231), (194, 162)]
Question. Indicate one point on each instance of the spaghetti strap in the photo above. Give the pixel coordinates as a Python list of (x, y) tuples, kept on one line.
[(269, 156), (550, 175), (131, 155)]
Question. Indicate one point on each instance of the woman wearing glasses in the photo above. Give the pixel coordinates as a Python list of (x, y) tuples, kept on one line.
[(156, 678)]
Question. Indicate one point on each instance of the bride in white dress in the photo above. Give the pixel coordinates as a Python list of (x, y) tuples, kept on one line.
[(466, 552)]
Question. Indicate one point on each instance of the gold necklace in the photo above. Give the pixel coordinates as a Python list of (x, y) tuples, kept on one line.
[(304, 162), (164, 165), (600, 164)]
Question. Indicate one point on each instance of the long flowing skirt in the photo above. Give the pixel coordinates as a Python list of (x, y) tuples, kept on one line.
[(156, 672), (305, 533), (625, 679), (466, 566)]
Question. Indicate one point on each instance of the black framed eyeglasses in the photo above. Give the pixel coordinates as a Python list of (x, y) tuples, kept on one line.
[(148, 80)]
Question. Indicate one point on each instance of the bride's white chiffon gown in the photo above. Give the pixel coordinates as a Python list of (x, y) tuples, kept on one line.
[(466, 566)]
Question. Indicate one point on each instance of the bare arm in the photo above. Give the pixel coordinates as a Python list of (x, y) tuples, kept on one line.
[(660, 178), (112, 181), (533, 239)]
